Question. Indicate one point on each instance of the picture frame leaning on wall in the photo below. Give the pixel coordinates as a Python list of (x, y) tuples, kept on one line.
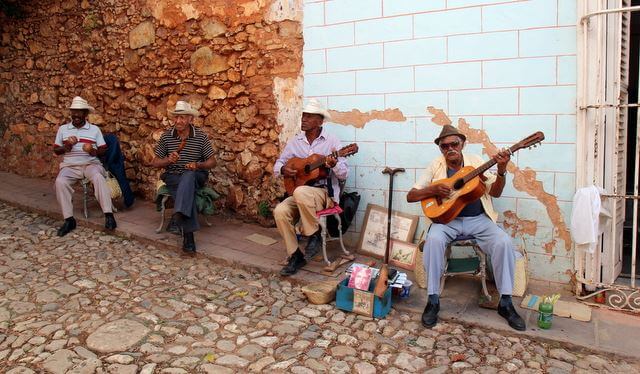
[(403, 254), (373, 234)]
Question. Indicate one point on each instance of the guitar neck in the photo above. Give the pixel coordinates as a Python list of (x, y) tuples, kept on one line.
[(317, 164), (486, 166), (321, 162)]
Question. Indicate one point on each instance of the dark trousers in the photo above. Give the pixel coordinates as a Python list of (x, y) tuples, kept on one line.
[(183, 189)]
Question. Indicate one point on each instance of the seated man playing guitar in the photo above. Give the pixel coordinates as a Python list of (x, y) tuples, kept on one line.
[(477, 219), (305, 200)]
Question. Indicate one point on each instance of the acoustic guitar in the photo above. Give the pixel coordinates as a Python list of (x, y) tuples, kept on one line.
[(467, 186), (311, 168)]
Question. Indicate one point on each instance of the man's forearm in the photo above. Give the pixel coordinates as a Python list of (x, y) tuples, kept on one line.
[(209, 164), (60, 150), (160, 162), (497, 187)]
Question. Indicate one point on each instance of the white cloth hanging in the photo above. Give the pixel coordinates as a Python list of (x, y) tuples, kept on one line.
[(589, 217)]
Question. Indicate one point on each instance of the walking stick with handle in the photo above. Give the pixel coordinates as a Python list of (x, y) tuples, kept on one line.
[(381, 285)]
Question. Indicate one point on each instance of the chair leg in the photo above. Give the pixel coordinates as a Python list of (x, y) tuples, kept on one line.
[(323, 233), (162, 212), (85, 194), (482, 272), (344, 250)]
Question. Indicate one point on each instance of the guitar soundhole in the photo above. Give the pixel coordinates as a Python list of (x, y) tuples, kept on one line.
[(307, 169), (458, 184)]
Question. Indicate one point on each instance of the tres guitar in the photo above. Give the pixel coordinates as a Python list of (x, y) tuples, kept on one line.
[(467, 186), (311, 168)]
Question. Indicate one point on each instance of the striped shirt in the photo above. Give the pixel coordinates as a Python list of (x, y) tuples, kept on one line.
[(87, 134), (196, 149)]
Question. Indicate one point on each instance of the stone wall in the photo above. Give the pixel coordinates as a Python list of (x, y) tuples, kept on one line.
[(238, 62)]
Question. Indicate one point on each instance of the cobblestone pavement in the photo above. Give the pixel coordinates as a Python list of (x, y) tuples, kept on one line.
[(96, 303)]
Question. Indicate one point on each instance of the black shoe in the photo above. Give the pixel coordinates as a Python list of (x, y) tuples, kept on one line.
[(68, 225), (509, 313), (109, 221), (188, 242), (313, 245), (296, 261), (173, 227), (430, 315)]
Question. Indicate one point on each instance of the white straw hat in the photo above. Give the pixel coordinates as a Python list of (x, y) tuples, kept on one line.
[(183, 107), (80, 103), (315, 107)]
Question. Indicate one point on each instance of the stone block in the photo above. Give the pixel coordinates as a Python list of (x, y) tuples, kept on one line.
[(142, 35), (450, 22), (384, 29), (547, 42), (205, 62), (484, 46), (354, 58), (405, 52)]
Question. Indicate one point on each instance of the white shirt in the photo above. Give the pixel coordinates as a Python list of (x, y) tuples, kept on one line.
[(588, 217), (87, 134)]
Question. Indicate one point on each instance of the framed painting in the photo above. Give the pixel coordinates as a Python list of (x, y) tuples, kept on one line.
[(403, 254), (373, 234)]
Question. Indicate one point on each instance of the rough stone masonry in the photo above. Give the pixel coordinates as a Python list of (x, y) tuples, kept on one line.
[(237, 62)]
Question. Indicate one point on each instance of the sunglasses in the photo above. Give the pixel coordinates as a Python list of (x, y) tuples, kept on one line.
[(452, 145)]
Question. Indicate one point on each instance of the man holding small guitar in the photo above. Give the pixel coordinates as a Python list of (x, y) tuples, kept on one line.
[(311, 169), (475, 217)]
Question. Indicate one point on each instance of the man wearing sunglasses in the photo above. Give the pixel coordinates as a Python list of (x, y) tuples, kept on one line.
[(477, 220)]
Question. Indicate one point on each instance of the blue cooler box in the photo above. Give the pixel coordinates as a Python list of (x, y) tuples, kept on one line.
[(345, 298)]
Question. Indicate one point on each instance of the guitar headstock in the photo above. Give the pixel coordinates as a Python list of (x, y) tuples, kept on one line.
[(530, 141), (349, 150)]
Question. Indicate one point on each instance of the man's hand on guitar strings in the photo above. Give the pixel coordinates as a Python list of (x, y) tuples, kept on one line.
[(330, 161), (288, 171), (502, 159), (442, 190)]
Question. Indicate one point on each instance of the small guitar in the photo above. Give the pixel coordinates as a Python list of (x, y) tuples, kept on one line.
[(467, 186), (310, 169)]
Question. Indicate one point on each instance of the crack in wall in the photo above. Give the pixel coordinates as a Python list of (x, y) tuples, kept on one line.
[(359, 119), (524, 180)]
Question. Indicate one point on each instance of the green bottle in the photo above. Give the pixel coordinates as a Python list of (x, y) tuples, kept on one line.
[(545, 315)]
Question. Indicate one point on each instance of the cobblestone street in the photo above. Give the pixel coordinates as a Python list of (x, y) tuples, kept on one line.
[(96, 303)]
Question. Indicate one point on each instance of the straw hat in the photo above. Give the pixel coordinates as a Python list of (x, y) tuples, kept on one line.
[(315, 107), (183, 107), (80, 103), (449, 130)]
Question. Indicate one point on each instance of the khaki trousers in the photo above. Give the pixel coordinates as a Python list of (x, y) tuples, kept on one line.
[(68, 175), (302, 206)]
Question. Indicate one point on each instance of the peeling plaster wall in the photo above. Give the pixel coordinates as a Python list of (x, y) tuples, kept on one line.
[(393, 72)]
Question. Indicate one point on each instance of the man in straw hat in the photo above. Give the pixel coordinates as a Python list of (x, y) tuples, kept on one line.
[(307, 200), (185, 152), (81, 142), (477, 219)]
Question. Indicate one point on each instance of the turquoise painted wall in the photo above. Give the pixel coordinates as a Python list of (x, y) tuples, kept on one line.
[(505, 67)]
